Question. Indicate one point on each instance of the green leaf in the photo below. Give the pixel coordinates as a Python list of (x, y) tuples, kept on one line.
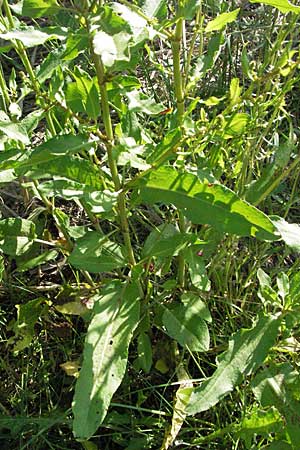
[(280, 445), (116, 315), (283, 5), (187, 328), (111, 48), (279, 386), (31, 37), (256, 191), (269, 179), (235, 125), (56, 147), (206, 203), (190, 8), (295, 287), (262, 423), (144, 347), (195, 306), (16, 236), (28, 315), (82, 95), (72, 168), (38, 260), (206, 62), (166, 240), (97, 201), (95, 253), (138, 25), (166, 147), (235, 91), (139, 102), (38, 8), (283, 285), (15, 131), (153, 8), (247, 350), (222, 20), (182, 398), (197, 269), (290, 232)]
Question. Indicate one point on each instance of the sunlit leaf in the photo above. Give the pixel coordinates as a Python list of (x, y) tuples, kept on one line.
[(283, 5), (57, 147), (222, 20), (235, 125), (15, 131), (111, 48), (246, 352), (187, 328), (279, 386), (16, 236), (290, 232), (31, 36), (139, 102), (71, 368), (116, 315), (197, 271), (28, 315), (166, 240), (71, 168), (95, 253), (38, 8), (182, 398), (260, 422), (213, 204), (153, 8)]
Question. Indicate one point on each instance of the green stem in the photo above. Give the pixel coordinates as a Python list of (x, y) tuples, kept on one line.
[(100, 71), (179, 95), (198, 29), (4, 91), (107, 120), (178, 82)]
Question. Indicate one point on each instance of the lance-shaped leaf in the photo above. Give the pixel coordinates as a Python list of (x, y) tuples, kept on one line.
[(73, 168), (222, 20), (38, 8), (206, 203), (152, 8), (283, 5), (247, 350), (290, 232), (98, 201), (189, 330), (28, 315), (30, 36), (15, 131), (95, 253), (278, 385), (16, 236), (57, 147), (116, 315), (182, 399)]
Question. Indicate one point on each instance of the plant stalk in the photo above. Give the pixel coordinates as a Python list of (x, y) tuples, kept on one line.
[(179, 96), (100, 71)]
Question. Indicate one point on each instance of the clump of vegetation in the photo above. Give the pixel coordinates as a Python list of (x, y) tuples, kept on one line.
[(149, 237)]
